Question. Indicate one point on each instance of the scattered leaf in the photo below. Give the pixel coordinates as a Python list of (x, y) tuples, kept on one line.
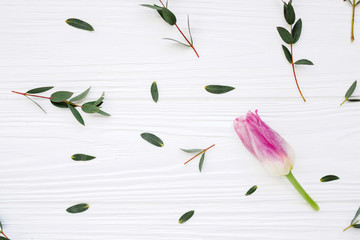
[(356, 215), (329, 178), (218, 89), (168, 16), (151, 138), (81, 96), (61, 96), (285, 35), (154, 92), (356, 226), (287, 54), (251, 190), (39, 90), (303, 62), (296, 32), (77, 23), (90, 108), (78, 208), (289, 13), (201, 161), (82, 157), (76, 114), (194, 150), (354, 100), (351, 90), (186, 216)]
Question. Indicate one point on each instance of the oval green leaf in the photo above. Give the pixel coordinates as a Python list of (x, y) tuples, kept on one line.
[(285, 35), (218, 89), (78, 208), (251, 190), (193, 150), (76, 114), (81, 96), (356, 225), (90, 108), (168, 16), (153, 139), (351, 90), (77, 23), (39, 90), (61, 96), (297, 30), (303, 62), (289, 13), (356, 215), (329, 178), (287, 54), (186, 216), (201, 162), (154, 92), (82, 157)]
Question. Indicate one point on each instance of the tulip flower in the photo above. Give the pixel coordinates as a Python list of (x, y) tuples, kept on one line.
[(273, 152)]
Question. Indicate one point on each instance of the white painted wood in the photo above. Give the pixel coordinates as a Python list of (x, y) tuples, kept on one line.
[(138, 191)]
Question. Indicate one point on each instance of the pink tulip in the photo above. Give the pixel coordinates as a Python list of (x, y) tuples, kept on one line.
[(273, 152)]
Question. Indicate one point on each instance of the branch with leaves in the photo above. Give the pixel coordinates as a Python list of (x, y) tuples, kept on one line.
[(200, 152), (291, 38), (353, 5), (170, 18), (62, 99), (354, 221)]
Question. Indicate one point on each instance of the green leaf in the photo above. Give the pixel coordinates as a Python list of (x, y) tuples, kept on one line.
[(285, 35), (251, 190), (61, 96), (154, 92), (287, 54), (356, 215), (186, 216), (99, 101), (354, 100), (303, 62), (329, 178), (356, 226), (168, 16), (59, 104), (3, 238), (1, 227), (90, 108), (218, 89), (289, 13), (194, 150), (296, 32), (351, 90), (39, 90), (78, 208), (152, 6), (153, 139), (103, 113), (76, 114), (81, 96), (82, 157), (79, 24), (201, 162)]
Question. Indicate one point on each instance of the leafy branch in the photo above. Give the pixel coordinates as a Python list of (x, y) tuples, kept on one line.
[(291, 38), (62, 99), (353, 4), (354, 222), (170, 18)]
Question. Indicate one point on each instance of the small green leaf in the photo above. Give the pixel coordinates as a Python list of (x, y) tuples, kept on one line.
[(3, 238), (82, 157), (151, 138), (78, 208), (100, 100), (39, 90), (218, 89), (351, 90), (285, 35), (90, 108), (296, 32), (194, 150), (61, 96), (81, 96), (186, 216), (356, 215), (77, 23), (168, 16), (329, 178), (103, 113), (356, 226), (289, 13), (154, 92), (59, 104), (251, 190), (201, 162), (76, 114), (354, 100), (152, 6), (287, 54), (303, 62)]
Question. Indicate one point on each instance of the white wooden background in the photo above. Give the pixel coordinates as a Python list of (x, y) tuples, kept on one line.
[(138, 191)]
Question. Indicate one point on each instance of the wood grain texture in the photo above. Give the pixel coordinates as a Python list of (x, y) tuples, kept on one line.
[(138, 191)]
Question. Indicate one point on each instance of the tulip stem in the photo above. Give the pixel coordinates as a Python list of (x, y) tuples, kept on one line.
[(302, 192)]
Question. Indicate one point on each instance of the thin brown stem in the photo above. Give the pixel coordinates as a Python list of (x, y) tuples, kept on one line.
[(199, 154), (31, 95), (352, 20), (190, 44), (4, 234), (293, 68), (351, 225)]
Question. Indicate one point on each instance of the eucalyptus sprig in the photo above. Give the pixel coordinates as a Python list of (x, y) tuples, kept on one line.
[(62, 99), (200, 152), (170, 18), (2, 232), (291, 38), (354, 221), (353, 5)]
